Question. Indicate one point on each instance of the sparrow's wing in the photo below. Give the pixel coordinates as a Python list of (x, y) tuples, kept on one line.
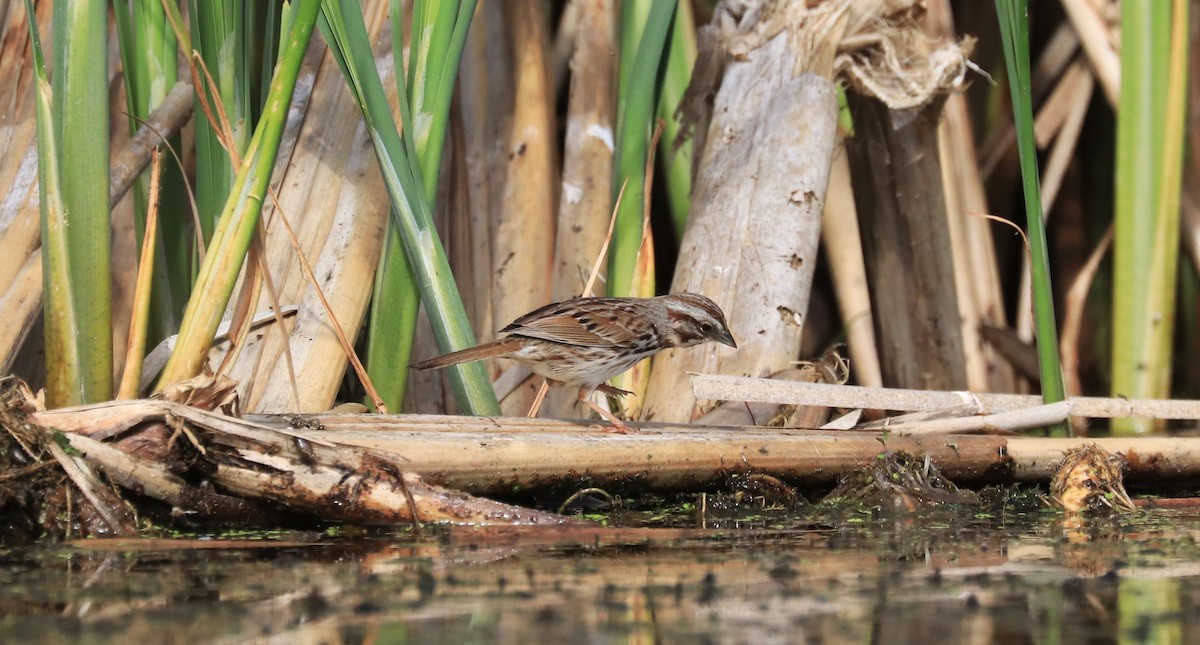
[(589, 322)]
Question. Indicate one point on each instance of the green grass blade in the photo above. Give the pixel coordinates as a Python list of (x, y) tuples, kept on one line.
[(395, 300), (261, 47), (1014, 31), (634, 14), (344, 30), (1150, 131), (637, 90), (395, 305)]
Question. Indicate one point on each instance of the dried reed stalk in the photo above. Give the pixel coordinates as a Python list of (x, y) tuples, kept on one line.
[(751, 239), (843, 246), (907, 245), (585, 204)]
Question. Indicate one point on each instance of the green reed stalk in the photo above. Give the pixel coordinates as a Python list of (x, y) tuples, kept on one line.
[(400, 160), (1014, 31), (1150, 131), (148, 57), (234, 229), (676, 158), (637, 90), (72, 134)]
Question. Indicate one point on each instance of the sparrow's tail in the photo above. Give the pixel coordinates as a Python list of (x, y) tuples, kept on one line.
[(479, 352)]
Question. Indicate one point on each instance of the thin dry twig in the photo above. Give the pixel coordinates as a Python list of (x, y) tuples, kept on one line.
[(562, 508), (165, 122), (359, 370), (110, 506)]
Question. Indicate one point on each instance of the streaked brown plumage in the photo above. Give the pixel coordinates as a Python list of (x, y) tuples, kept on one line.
[(586, 341)]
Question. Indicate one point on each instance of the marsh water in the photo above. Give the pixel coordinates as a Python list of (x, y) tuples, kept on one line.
[(858, 576)]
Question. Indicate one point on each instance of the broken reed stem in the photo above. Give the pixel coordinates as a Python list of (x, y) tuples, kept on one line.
[(736, 388), (1015, 420), (165, 122)]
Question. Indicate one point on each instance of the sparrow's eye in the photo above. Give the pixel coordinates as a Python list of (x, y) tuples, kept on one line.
[(705, 327)]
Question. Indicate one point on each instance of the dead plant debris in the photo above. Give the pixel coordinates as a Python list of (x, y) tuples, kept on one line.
[(1090, 479), (902, 481), (208, 466), (37, 498)]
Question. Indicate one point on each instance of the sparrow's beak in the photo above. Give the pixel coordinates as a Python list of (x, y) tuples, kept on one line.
[(726, 338)]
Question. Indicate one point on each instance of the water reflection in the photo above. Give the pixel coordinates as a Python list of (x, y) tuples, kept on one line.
[(930, 579)]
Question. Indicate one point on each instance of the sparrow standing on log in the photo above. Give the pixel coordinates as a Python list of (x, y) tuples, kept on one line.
[(586, 341)]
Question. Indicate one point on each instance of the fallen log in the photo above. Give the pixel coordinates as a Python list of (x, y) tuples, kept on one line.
[(489, 456), (483, 455)]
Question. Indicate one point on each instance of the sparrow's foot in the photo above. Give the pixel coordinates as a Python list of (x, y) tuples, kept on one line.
[(618, 426), (612, 391)]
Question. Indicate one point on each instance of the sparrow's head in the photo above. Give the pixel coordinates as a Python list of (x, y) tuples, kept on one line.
[(693, 319)]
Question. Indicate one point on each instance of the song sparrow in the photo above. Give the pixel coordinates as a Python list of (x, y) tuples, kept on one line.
[(586, 341)]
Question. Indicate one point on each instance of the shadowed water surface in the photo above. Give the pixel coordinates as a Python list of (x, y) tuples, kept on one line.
[(936, 577)]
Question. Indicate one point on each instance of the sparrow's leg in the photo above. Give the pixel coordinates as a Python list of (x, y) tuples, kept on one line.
[(618, 426), (539, 398)]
